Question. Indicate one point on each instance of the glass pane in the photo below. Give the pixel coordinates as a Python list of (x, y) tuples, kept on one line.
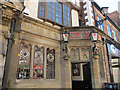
[(23, 69), (114, 33), (50, 64), (38, 63), (58, 12), (66, 16), (100, 24), (75, 69), (109, 31), (51, 10), (84, 54), (42, 9)]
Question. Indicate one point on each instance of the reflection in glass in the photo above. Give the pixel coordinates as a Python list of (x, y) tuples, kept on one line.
[(75, 69)]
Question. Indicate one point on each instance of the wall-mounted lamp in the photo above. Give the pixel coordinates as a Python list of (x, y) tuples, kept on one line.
[(94, 38), (104, 11), (65, 36), (66, 40)]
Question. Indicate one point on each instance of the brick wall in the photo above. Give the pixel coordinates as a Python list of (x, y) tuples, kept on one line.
[(115, 17)]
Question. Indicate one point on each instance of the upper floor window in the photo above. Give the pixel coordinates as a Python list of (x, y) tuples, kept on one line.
[(109, 31), (119, 37), (59, 12), (42, 9), (100, 23), (55, 12), (114, 33), (51, 10), (66, 16)]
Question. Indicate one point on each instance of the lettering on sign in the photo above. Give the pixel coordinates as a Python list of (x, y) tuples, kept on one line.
[(79, 35)]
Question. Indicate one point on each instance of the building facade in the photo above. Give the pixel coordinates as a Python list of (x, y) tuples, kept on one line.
[(37, 50), (115, 17)]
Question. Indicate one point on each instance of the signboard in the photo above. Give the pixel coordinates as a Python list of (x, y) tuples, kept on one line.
[(82, 35), (113, 50)]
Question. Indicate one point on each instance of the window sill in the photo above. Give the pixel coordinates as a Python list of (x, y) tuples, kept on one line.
[(30, 80), (51, 21)]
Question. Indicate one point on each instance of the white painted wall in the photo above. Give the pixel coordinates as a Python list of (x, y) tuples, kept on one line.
[(89, 13), (75, 20), (32, 8)]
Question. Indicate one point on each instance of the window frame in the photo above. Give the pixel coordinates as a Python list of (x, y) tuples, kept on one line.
[(109, 31), (73, 51), (119, 37), (31, 59), (99, 26), (54, 21), (115, 36), (37, 48)]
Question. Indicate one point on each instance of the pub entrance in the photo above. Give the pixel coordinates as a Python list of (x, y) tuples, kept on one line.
[(81, 75)]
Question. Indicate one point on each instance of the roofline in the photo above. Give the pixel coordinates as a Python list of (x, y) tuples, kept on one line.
[(109, 19)]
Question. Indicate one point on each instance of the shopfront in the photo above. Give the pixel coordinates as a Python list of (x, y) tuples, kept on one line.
[(80, 49), (114, 59)]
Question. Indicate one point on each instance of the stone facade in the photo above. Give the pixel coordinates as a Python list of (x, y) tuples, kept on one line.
[(31, 32), (7, 13)]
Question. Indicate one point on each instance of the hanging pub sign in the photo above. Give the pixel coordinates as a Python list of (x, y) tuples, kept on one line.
[(81, 35), (113, 50)]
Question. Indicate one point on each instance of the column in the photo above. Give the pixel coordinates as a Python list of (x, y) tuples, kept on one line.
[(32, 58), (45, 62)]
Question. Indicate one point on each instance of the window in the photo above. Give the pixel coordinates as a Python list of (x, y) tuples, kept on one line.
[(66, 16), (84, 54), (75, 69), (109, 31), (119, 37), (53, 12), (38, 63), (79, 53), (59, 12), (50, 64), (100, 24), (23, 69), (114, 33), (38, 69), (42, 9), (75, 54)]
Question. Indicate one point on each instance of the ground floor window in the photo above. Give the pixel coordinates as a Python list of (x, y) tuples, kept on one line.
[(23, 69), (38, 68), (50, 64), (81, 53), (36, 65)]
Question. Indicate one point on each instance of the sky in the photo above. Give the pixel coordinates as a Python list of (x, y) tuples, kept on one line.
[(112, 4)]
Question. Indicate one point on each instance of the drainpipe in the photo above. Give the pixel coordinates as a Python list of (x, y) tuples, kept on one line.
[(9, 46), (96, 24), (11, 41)]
